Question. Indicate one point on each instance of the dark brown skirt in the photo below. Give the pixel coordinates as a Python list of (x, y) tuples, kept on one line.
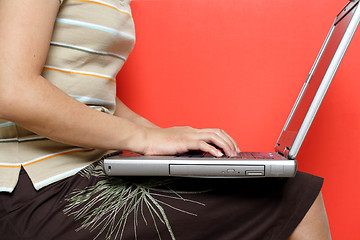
[(90, 205)]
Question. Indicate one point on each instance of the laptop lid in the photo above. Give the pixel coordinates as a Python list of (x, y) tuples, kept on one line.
[(318, 81)]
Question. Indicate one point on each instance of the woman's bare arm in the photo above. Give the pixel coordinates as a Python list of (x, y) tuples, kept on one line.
[(33, 102)]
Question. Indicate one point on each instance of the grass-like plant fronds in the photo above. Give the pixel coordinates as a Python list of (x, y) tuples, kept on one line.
[(106, 207)]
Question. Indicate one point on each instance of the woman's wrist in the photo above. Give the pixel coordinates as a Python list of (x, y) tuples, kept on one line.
[(136, 140)]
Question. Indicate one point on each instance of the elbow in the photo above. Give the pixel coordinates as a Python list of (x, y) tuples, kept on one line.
[(20, 96), (5, 102), (9, 98)]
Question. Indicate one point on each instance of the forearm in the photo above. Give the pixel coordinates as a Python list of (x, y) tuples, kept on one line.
[(47, 111)]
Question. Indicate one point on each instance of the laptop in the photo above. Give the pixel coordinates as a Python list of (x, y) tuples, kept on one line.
[(281, 162)]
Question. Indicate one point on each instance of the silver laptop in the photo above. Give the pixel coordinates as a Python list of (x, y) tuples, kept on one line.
[(281, 162)]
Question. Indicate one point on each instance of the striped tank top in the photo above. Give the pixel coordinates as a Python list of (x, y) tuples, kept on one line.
[(90, 43)]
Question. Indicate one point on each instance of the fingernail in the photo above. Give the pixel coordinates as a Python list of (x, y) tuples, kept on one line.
[(219, 153)]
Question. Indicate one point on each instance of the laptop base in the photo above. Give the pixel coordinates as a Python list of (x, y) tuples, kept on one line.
[(245, 166)]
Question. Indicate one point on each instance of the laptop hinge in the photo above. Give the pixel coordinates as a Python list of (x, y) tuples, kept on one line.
[(285, 153)]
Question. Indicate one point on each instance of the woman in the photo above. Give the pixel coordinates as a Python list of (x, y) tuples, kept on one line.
[(60, 114)]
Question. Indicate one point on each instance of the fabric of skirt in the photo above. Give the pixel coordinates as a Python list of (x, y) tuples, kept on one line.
[(91, 205)]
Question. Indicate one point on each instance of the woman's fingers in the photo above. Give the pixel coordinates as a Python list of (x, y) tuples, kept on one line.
[(210, 148), (237, 149), (181, 139), (222, 140)]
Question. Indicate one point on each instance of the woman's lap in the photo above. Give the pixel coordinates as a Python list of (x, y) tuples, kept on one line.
[(89, 203)]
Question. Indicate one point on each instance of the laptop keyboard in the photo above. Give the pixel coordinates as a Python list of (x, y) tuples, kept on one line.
[(241, 155)]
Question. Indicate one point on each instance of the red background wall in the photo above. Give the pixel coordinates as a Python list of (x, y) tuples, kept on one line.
[(239, 65)]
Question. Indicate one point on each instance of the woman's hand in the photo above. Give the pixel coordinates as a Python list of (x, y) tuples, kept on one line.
[(170, 141)]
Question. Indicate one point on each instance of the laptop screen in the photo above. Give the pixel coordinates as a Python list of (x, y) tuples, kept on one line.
[(312, 85)]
